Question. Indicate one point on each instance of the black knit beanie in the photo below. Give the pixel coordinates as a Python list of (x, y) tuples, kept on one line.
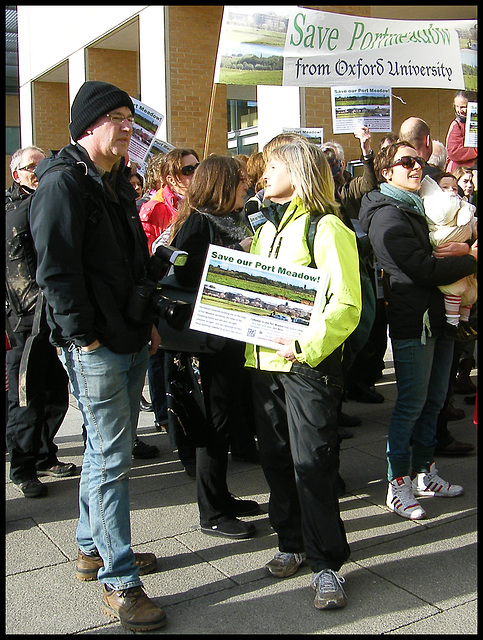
[(93, 100)]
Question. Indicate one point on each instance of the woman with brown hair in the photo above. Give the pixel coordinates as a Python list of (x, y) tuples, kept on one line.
[(176, 171), (394, 218), (216, 190)]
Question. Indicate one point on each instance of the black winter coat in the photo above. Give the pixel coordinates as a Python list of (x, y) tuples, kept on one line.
[(20, 260), (400, 239), (91, 252)]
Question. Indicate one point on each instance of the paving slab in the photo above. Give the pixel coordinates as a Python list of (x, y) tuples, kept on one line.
[(402, 577)]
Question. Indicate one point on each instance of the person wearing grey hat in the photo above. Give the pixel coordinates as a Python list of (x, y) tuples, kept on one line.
[(92, 253)]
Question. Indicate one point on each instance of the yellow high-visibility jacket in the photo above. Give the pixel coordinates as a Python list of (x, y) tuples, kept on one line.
[(335, 251)]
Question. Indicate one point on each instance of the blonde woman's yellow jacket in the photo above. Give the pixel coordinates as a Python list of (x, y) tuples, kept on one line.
[(335, 251)]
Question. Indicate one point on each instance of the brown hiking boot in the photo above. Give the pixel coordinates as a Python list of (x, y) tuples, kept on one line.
[(133, 609), (86, 567)]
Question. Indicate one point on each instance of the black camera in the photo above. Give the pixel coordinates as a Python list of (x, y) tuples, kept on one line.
[(147, 301)]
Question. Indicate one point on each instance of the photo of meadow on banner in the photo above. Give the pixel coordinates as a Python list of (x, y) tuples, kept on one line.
[(251, 45), (467, 31)]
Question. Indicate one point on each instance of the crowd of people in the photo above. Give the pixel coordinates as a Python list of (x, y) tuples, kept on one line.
[(82, 228)]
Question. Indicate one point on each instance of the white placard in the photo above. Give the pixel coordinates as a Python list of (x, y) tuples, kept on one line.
[(471, 127), (146, 125), (245, 297), (355, 107)]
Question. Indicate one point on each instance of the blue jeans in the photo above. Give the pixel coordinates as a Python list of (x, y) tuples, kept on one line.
[(422, 377), (107, 387)]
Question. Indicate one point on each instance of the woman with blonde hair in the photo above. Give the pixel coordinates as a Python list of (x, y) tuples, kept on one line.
[(297, 388)]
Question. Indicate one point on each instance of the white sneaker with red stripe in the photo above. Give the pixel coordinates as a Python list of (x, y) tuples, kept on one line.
[(429, 483), (401, 500)]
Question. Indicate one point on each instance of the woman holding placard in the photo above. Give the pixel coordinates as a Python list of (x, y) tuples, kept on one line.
[(297, 388)]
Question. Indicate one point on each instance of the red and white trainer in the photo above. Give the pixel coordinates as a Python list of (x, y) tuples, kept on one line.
[(401, 500), (428, 483)]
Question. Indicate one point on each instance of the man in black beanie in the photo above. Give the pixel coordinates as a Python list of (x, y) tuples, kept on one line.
[(92, 251)]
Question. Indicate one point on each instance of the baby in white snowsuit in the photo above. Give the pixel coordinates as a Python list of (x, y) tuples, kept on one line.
[(452, 219)]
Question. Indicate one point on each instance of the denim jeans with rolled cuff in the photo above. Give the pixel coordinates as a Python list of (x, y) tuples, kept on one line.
[(107, 387), (422, 377)]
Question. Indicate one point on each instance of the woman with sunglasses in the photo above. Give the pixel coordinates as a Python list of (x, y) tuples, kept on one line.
[(177, 169), (394, 219), (217, 189)]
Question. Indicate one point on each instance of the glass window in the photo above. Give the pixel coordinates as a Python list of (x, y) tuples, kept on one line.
[(12, 140), (241, 114)]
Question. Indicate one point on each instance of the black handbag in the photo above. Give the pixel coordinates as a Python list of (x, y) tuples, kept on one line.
[(185, 403), (185, 340)]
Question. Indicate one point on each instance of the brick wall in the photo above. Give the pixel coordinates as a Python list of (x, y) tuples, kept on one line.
[(193, 40), (435, 107), (51, 115), (115, 66)]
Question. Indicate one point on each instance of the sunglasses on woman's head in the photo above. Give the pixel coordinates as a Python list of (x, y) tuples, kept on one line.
[(408, 162), (188, 169)]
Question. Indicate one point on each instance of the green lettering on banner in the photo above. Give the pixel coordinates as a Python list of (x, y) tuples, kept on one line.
[(327, 36), (368, 40), (298, 29), (356, 34)]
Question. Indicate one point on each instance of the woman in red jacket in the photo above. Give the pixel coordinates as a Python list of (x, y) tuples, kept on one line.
[(458, 154), (177, 169)]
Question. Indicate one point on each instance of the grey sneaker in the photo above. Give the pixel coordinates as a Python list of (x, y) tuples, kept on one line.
[(329, 593), (283, 565)]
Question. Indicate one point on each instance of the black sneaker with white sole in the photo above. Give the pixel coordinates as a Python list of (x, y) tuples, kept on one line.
[(236, 507), (230, 528)]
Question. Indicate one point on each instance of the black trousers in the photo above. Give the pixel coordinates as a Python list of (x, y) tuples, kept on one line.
[(296, 421), (222, 376), (30, 430), (368, 364)]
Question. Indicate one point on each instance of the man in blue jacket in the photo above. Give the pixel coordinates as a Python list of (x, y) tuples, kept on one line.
[(92, 253)]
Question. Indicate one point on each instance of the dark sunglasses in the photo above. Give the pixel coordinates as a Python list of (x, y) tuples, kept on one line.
[(188, 169), (408, 162)]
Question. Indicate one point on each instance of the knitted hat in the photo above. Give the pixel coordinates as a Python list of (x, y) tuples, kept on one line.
[(93, 100), (335, 165)]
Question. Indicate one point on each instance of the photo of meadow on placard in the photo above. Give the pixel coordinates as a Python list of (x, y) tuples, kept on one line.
[(251, 45), (242, 290)]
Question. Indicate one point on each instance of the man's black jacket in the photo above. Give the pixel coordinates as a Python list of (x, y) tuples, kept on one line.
[(91, 252)]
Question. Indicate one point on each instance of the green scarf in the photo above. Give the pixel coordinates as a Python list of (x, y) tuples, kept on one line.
[(408, 197)]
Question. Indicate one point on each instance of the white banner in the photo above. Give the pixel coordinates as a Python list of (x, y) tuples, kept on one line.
[(330, 49)]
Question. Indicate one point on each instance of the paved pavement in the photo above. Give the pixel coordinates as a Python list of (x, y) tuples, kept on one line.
[(403, 577)]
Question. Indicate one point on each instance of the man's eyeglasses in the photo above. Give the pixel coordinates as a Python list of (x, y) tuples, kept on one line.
[(30, 168), (118, 119), (408, 162), (188, 169)]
